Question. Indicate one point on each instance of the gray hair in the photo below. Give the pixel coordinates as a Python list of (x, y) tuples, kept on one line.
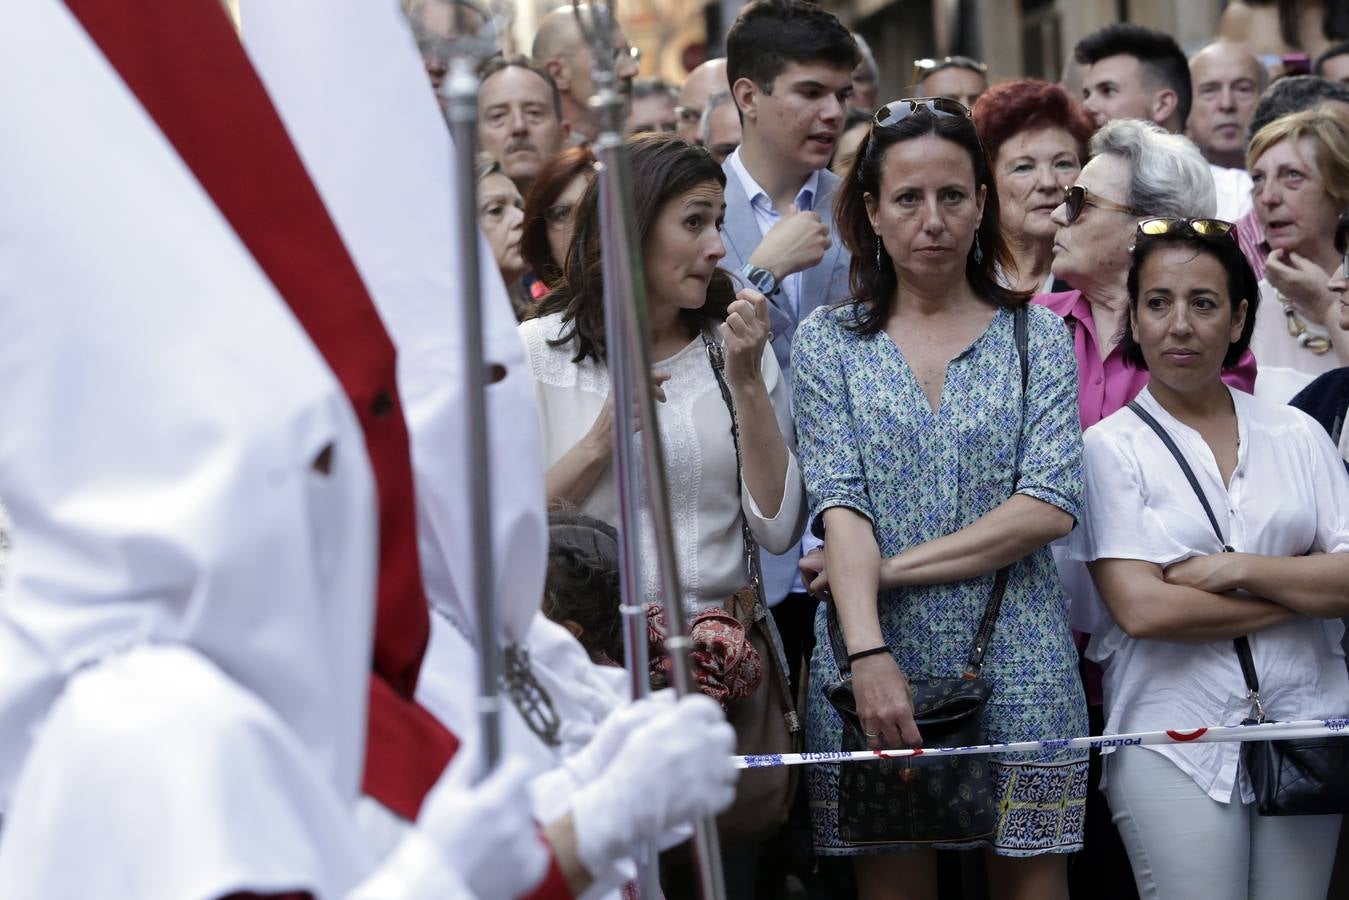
[(868, 58), (1170, 175), (704, 127)]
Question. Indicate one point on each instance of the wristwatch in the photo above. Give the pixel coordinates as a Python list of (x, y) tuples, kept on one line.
[(764, 281)]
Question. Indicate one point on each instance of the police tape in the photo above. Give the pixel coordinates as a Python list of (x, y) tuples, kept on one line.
[(1209, 734)]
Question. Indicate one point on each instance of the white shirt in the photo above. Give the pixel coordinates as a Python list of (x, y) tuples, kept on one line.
[(1233, 187), (695, 429), (1289, 495), (765, 216), (1285, 366)]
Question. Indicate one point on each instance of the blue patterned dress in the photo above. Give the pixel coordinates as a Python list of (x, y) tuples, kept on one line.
[(869, 441)]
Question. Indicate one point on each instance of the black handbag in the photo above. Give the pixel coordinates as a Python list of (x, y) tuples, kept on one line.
[(1290, 777), (926, 799)]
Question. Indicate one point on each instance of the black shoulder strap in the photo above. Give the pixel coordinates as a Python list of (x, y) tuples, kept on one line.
[(1243, 646)]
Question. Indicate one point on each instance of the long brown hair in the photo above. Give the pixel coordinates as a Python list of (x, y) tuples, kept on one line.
[(874, 286), (548, 185), (664, 166)]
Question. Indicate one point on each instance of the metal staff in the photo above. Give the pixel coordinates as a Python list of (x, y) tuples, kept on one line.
[(474, 40), (629, 359)]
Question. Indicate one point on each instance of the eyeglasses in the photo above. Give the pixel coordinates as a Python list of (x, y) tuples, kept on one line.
[(897, 111), (1204, 228), (925, 67), (1077, 197), (688, 115), (558, 215)]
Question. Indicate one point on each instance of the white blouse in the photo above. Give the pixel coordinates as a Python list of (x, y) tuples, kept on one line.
[(1289, 495), (695, 429)]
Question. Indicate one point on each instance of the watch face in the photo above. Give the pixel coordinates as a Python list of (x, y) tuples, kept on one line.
[(762, 279)]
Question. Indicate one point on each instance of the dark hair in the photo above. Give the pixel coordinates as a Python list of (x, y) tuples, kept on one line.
[(1334, 50), (548, 185), (1293, 94), (495, 64), (653, 87), (1006, 110), (1156, 51), (663, 167), (873, 287), (1241, 285), (769, 35), (583, 582)]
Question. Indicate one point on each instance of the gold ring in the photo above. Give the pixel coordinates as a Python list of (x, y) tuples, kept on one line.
[(870, 735)]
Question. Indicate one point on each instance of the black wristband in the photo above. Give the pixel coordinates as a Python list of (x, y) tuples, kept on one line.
[(862, 654)]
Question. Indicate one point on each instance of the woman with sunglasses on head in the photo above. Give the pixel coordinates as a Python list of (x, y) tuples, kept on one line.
[(1036, 137), (1279, 495), (1300, 167), (549, 216), (929, 468)]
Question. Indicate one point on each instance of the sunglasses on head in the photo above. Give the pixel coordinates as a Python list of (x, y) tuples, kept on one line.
[(1204, 228), (1077, 198), (897, 111)]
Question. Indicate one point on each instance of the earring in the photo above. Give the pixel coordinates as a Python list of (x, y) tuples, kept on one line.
[(878, 253), (978, 251)]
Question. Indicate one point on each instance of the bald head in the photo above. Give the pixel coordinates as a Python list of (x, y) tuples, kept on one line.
[(703, 82), (558, 34), (1227, 81)]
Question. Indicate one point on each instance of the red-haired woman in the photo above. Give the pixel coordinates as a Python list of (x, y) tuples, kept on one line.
[(556, 191), (1036, 137)]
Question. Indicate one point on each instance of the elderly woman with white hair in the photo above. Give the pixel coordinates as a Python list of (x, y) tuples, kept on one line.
[(1136, 171)]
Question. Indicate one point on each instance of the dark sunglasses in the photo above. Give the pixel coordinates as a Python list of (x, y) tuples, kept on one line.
[(1204, 228), (1076, 198), (897, 111), (1342, 243)]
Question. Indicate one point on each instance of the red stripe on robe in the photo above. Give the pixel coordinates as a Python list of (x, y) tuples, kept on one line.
[(183, 61)]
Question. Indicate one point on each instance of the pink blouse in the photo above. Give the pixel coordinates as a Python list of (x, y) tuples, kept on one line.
[(1107, 385)]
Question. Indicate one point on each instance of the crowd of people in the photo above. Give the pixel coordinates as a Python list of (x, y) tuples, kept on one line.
[(992, 384)]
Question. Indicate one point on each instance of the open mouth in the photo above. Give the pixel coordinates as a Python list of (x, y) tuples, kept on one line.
[(825, 140)]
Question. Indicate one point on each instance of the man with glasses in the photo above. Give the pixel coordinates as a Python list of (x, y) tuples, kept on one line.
[(704, 81), (561, 48), (957, 78), (519, 117), (652, 107)]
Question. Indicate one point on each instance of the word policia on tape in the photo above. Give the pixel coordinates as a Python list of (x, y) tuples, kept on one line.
[(1210, 734)]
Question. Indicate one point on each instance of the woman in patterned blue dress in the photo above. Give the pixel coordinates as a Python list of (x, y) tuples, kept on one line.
[(929, 471)]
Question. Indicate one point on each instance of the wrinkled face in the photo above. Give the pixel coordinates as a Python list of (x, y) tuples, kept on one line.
[(1226, 88), (800, 121), (561, 218), (955, 82), (1116, 88), (723, 131), (681, 251), (928, 209), (654, 112), (847, 149), (1336, 68), (1030, 171), (1291, 200), (1184, 320), (518, 123), (1095, 247), (501, 215)]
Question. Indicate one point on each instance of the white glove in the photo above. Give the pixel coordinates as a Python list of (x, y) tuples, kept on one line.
[(587, 763), (486, 832), (670, 770)]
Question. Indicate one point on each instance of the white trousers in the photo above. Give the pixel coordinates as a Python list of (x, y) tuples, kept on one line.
[(1184, 844)]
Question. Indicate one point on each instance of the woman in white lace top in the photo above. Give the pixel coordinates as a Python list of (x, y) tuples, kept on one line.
[(680, 204)]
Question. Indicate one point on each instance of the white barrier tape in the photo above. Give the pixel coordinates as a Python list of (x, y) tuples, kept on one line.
[(1210, 734)]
